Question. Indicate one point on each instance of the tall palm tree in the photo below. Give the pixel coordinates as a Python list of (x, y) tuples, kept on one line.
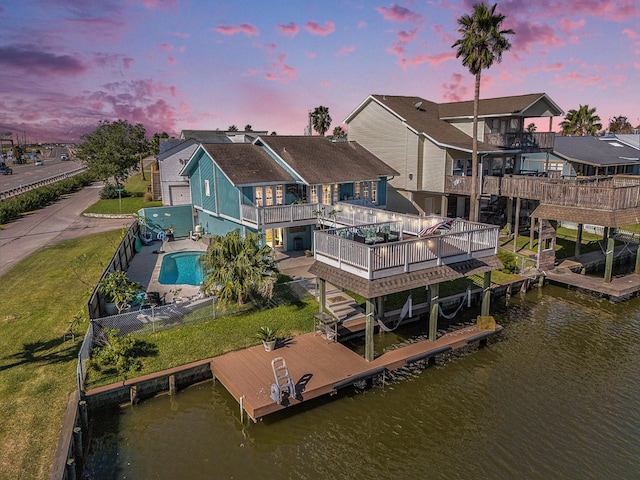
[(321, 120), (581, 122), (237, 269), (481, 44)]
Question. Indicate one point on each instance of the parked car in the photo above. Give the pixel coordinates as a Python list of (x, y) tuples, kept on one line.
[(39, 163), (64, 157), (5, 170)]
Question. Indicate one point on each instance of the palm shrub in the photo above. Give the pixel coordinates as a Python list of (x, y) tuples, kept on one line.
[(237, 269)]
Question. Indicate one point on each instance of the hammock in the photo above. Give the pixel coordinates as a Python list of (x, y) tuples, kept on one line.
[(407, 310), (450, 316)]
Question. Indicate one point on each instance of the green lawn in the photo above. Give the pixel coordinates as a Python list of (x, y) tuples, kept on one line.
[(136, 188), (40, 297)]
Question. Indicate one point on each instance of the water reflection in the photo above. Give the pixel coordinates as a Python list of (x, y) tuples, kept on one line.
[(557, 396)]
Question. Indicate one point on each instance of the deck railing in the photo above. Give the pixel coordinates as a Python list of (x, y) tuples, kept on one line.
[(280, 214), (524, 141), (604, 192), (465, 241)]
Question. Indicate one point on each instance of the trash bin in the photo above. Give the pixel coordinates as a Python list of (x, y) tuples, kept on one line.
[(297, 244)]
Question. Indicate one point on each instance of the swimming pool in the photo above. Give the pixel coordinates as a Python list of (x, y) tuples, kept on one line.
[(181, 268)]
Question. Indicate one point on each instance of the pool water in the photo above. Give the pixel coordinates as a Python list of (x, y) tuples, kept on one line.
[(181, 268)]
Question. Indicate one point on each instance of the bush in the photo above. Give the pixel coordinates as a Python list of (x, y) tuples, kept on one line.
[(508, 260), (110, 192), (148, 197), (13, 208), (119, 354)]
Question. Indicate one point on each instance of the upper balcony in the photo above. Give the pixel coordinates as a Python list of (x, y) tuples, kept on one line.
[(380, 250), (525, 141)]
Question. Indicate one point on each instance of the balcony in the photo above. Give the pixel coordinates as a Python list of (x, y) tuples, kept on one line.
[(385, 256), (278, 216), (525, 141)]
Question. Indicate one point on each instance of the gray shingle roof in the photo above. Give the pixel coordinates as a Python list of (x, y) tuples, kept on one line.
[(403, 281), (320, 161), (604, 151), (247, 164), (425, 119)]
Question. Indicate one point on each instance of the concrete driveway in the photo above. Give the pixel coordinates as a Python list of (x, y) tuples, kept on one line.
[(52, 225)]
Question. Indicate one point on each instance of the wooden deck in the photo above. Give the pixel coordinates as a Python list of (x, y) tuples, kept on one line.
[(318, 367)]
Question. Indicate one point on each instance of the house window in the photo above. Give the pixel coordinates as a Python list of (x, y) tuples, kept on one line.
[(313, 197), (365, 189), (336, 193), (207, 190), (513, 125), (259, 197), (326, 194), (357, 190), (279, 195), (268, 196), (374, 191)]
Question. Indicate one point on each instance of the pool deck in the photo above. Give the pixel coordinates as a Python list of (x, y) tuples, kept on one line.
[(145, 267)]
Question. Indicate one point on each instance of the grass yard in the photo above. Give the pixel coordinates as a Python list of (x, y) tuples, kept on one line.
[(40, 297), (136, 188)]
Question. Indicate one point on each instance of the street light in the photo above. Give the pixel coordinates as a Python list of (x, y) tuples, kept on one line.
[(119, 190)]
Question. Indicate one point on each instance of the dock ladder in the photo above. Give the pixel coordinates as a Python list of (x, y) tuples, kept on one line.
[(283, 381)]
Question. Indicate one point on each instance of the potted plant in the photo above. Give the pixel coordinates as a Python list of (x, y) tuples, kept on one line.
[(119, 290), (269, 337)]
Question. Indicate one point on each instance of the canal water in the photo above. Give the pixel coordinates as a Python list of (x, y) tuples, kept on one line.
[(557, 396)]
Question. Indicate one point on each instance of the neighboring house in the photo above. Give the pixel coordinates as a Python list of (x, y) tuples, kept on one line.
[(174, 154), (596, 156), (430, 144), (281, 185)]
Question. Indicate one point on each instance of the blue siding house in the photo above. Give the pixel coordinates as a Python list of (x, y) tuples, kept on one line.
[(281, 186)]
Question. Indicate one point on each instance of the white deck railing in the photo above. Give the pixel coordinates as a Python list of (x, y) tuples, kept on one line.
[(466, 241)]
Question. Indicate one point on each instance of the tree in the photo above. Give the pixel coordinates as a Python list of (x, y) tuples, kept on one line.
[(583, 121), (620, 124), (248, 128), (481, 44), (112, 150), (232, 128), (531, 127), (237, 269), (154, 146), (321, 120), (339, 132)]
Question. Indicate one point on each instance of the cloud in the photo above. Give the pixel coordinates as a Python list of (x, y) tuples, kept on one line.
[(160, 4), (529, 34), (165, 47), (246, 28), (553, 66), (281, 72), (310, 54), (346, 50), (432, 60), (396, 13), (315, 28), (289, 30), (568, 27), (31, 60), (580, 78), (179, 34), (362, 24), (127, 62), (631, 34), (455, 90)]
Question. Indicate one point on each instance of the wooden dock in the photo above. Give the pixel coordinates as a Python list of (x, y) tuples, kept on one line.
[(318, 367), (620, 288)]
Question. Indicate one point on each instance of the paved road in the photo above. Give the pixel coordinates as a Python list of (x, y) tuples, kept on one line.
[(30, 173), (51, 225)]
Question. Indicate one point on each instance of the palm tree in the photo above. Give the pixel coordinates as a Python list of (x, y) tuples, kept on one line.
[(620, 124), (482, 43), (321, 119), (232, 128), (339, 132), (531, 128), (583, 121), (237, 269)]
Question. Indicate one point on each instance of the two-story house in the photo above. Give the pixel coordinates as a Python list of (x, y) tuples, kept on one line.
[(430, 144), (281, 186)]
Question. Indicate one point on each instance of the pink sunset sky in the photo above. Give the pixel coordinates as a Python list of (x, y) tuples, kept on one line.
[(173, 65)]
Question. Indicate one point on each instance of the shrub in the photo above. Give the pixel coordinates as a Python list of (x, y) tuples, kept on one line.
[(110, 191), (119, 353), (148, 197), (508, 260)]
